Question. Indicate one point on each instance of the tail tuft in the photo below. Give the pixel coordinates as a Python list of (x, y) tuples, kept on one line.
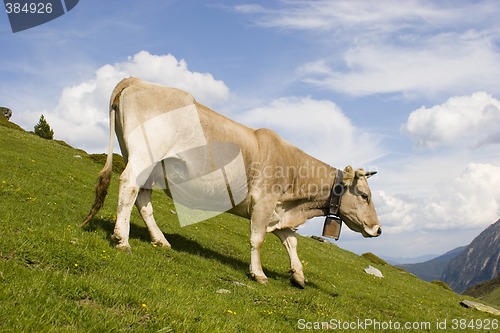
[(104, 179), (101, 190)]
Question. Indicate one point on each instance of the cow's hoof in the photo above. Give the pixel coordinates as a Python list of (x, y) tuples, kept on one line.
[(163, 244), (120, 244), (259, 279), (297, 279), (123, 247)]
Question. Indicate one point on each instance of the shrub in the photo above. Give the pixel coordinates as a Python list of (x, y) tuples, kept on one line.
[(374, 259), (118, 164), (441, 284)]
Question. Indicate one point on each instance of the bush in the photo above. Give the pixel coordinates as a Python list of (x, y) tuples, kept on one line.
[(441, 284), (374, 259), (43, 130), (118, 164)]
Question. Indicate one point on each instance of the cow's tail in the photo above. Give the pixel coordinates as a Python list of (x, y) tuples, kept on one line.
[(104, 179)]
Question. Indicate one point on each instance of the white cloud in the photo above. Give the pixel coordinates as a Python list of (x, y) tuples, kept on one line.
[(81, 115), (319, 127), (444, 63), (468, 201), (415, 48), (331, 15), (462, 121), (395, 212)]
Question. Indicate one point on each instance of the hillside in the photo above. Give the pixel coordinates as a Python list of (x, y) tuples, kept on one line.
[(479, 262), (488, 291), (57, 277), (432, 269)]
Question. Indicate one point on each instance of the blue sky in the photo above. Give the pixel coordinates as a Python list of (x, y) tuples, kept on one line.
[(409, 88)]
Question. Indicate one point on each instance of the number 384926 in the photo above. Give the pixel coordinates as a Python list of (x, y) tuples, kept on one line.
[(28, 8), (475, 324)]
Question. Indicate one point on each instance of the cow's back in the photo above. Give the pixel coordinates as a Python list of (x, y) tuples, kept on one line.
[(141, 101), (160, 122)]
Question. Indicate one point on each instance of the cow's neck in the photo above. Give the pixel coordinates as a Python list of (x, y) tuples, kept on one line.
[(313, 187)]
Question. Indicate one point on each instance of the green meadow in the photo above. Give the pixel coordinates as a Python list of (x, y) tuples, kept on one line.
[(58, 277)]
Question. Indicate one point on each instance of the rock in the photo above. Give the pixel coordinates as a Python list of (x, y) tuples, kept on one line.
[(320, 239), (7, 113), (480, 307), (223, 291), (373, 271), (241, 284)]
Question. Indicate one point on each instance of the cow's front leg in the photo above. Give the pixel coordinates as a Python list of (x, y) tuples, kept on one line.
[(289, 240), (258, 232), (126, 197), (145, 207)]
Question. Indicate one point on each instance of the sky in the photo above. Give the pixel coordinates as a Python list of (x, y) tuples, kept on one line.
[(408, 88)]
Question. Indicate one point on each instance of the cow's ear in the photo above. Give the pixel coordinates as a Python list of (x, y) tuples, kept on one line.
[(348, 176)]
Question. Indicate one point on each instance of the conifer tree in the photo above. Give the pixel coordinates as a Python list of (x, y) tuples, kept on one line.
[(43, 130)]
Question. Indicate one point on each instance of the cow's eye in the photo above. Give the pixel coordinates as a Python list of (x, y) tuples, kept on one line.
[(365, 196)]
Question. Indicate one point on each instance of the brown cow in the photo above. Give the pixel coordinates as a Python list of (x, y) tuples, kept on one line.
[(208, 163)]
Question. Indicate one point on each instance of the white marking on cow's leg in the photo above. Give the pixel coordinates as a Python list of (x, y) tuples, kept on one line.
[(289, 240), (145, 207), (256, 239), (126, 198)]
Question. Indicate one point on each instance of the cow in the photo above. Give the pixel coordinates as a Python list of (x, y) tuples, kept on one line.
[(168, 138)]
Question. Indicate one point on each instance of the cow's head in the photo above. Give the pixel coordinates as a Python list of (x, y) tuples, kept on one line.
[(356, 208)]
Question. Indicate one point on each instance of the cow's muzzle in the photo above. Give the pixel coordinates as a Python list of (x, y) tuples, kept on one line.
[(373, 232)]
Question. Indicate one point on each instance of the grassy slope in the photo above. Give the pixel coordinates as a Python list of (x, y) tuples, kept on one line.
[(488, 291), (55, 276), (493, 297)]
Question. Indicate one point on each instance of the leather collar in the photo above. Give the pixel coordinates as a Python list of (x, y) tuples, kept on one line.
[(336, 194)]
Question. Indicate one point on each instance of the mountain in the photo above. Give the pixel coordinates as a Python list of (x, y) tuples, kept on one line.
[(479, 262), (433, 269), (414, 260)]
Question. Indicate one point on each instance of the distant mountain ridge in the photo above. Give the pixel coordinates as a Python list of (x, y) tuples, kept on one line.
[(479, 262), (433, 269), (403, 261)]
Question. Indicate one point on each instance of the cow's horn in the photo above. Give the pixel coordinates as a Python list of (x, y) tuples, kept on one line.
[(370, 173), (363, 173)]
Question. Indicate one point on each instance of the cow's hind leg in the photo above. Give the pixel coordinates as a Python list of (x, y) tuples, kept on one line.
[(256, 239), (289, 240), (145, 207), (126, 197)]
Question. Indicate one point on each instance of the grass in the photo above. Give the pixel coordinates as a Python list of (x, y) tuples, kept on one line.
[(57, 277), (488, 291)]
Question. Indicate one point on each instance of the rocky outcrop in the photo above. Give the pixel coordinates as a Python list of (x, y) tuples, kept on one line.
[(480, 307), (479, 262), (6, 112)]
